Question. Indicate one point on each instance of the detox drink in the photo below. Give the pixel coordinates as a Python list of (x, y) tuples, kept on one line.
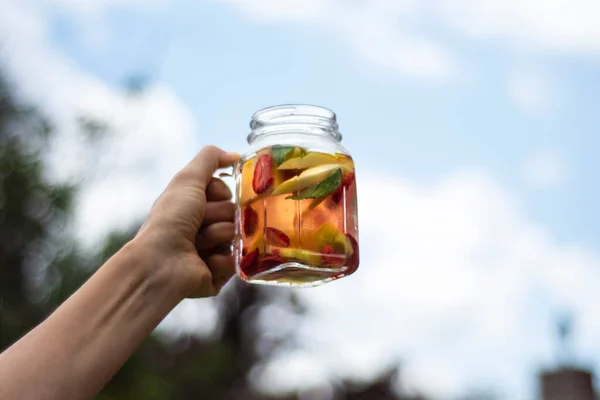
[(297, 216)]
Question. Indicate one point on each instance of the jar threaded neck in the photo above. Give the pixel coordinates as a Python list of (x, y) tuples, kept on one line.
[(299, 118)]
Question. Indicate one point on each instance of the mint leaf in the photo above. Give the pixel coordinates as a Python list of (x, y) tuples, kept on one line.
[(279, 153), (322, 189)]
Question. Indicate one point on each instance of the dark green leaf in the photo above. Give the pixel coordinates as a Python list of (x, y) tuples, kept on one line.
[(279, 153)]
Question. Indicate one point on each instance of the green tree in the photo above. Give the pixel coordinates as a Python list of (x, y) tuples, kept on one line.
[(41, 265), (32, 215)]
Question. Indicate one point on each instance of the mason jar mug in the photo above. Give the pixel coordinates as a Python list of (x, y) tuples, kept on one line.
[(296, 218)]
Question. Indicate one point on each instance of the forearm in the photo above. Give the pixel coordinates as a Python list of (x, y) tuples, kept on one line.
[(85, 341)]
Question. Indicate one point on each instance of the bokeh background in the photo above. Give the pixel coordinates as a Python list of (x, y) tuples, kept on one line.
[(475, 129)]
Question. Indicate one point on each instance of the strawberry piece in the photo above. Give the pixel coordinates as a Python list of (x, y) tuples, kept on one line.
[(277, 238), (270, 262), (330, 258), (347, 181), (264, 175), (354, 258), (336, 196), (249, 221), (248, 263), (276, 253)]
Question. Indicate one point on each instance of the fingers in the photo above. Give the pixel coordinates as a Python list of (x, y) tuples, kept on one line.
[(199, 172), (218, 211), (217, 190), (214, 235), (222, 268)]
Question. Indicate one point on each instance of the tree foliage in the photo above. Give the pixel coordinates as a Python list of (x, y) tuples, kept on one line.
[(41, 265)]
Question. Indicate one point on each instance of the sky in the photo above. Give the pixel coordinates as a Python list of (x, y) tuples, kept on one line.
[(473, 125)]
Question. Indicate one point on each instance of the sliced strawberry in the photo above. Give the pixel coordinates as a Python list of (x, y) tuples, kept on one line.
[(277, 238), (264, 175), (330, 258), (249, 221), (270, 262), (276, 253), (354, 258), (248, 263), (336, 196), (347, 181)]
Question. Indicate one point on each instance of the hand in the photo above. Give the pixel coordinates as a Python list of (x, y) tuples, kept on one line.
[(191, 226)]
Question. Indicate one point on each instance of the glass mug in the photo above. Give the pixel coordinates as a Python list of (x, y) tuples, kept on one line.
[(296, 202)]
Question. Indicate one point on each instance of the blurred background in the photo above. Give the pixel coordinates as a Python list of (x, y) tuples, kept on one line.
[(475, 130)]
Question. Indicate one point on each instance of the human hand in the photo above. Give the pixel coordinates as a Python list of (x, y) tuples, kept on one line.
[(191, 226)]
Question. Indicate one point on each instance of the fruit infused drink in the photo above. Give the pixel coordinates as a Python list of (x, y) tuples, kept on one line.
[(297, 216)]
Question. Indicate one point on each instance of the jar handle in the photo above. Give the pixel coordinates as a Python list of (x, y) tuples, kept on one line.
[(228, 175)]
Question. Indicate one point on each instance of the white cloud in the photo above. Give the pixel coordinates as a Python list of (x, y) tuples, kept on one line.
[(553, 25), (393, 35), (545, 168), (152, 135), (533, 92), (90, 9), (373, 30), (455, 281)]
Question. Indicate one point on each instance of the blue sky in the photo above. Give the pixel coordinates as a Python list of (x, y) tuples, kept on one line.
[(474, 126), (224, 66)]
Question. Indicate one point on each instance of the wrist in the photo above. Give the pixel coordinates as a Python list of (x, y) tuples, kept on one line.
[(152, 257)]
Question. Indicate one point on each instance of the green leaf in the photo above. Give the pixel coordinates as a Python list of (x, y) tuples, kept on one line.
[(279, 153), (322, 189)]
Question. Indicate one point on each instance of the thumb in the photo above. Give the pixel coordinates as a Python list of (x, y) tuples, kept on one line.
[(199, 172)]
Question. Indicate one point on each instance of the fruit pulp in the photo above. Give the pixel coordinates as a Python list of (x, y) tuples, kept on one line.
[(297, 222)]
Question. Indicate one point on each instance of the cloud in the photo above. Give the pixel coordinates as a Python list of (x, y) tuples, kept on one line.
[(374, 31), (150, 136), (455, 283), (545, 168), (563, 26), (397, 36), (533, 92)]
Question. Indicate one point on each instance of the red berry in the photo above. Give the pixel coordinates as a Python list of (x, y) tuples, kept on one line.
[(276, 253), (263, 173), (348, 179), (248, 263), (249, 221), (329, 257), (336, 196), (354, 258), (270, 262), (277, 238), (328, 249)]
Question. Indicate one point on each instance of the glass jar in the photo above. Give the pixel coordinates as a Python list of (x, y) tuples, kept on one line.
[(296, 220)]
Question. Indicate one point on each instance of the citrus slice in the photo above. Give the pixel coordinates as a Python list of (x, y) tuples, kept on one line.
[(306, 179), (311, 159), (308, 257)]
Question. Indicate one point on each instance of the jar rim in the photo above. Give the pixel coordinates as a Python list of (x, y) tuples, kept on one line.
[(301, 118)]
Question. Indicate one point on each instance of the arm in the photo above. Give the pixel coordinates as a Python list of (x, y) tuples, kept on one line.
[(76, 351)]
